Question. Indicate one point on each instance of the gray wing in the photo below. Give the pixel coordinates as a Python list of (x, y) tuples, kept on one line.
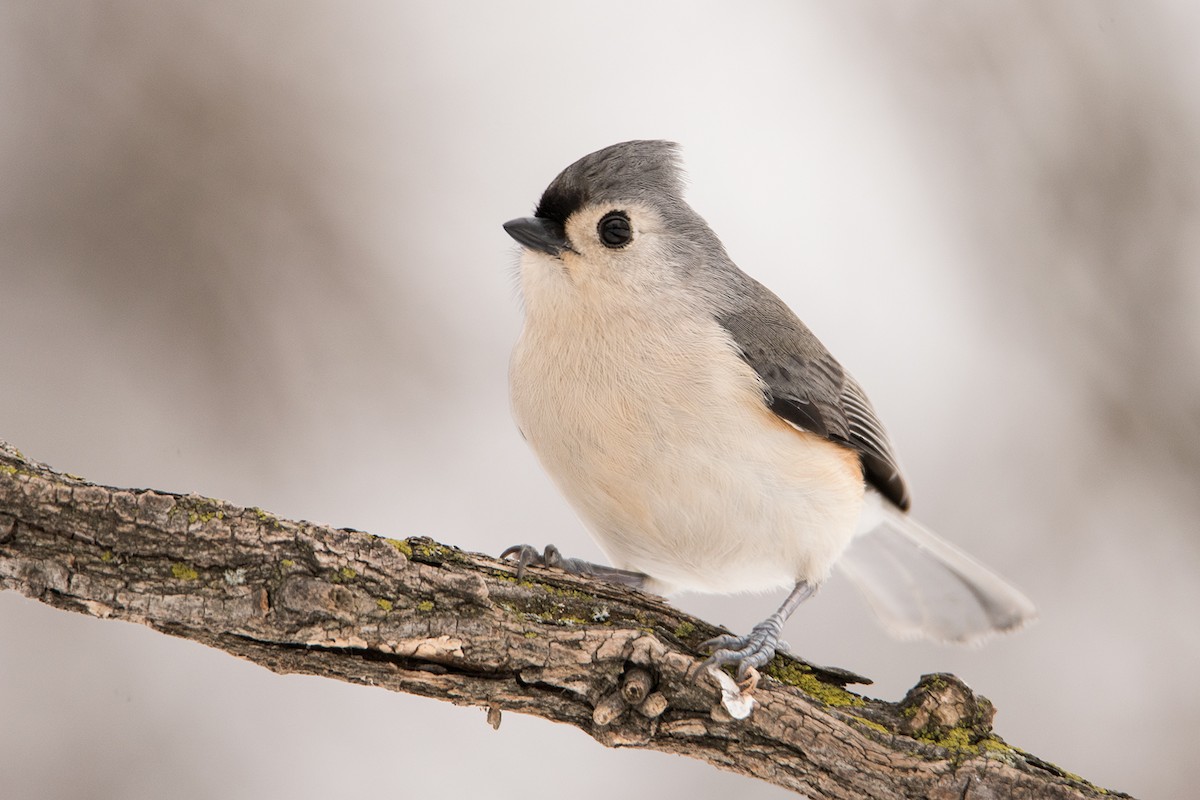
[(806, 386)]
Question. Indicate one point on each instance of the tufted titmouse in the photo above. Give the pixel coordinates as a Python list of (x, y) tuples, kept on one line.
[(708, 439)]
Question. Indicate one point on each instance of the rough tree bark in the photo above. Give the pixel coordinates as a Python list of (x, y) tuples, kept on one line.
[(421, 617)]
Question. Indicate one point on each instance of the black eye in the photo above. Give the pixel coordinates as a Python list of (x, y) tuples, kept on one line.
[(614, 229)]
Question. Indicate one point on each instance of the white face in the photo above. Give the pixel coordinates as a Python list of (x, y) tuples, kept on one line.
[(613, 241)]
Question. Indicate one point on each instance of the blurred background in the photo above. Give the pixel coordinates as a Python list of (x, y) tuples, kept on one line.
[(254, 252)]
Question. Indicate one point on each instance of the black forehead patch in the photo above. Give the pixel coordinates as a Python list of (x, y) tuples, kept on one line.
[(645, 171), (559, 202)]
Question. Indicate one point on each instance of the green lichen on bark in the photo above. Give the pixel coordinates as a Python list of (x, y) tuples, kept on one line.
[(402, 547), (684, 630), (183, 572), (804, 679), (427, 551)]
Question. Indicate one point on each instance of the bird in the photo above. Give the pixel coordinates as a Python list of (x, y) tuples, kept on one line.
[(704, 435)]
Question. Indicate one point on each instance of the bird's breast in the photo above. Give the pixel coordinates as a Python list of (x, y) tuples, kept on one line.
[(656, 431)]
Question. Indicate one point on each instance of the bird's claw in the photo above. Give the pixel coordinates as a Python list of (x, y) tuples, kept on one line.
[(751, 683), (527, 554), (748, 652)]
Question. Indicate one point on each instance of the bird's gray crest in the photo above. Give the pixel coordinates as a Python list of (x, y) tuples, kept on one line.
[(641, 170)]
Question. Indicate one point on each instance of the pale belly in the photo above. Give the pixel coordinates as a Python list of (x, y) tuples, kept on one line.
[(669, 454)]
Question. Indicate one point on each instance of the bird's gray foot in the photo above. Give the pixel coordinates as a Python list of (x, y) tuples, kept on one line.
[(551, 557), (750, 651), (755, 649)]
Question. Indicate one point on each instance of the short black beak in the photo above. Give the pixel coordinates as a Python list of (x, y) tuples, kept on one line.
[(538, 234)]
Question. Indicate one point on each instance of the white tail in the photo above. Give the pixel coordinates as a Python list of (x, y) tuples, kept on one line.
[(923, 587)]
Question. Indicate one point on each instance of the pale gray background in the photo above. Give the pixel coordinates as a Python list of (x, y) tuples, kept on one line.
[(255, 252)]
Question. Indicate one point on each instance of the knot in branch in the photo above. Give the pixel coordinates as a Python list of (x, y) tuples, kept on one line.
[(941, 703)]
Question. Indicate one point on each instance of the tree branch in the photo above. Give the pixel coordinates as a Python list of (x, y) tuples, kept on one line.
[(421, 617)]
